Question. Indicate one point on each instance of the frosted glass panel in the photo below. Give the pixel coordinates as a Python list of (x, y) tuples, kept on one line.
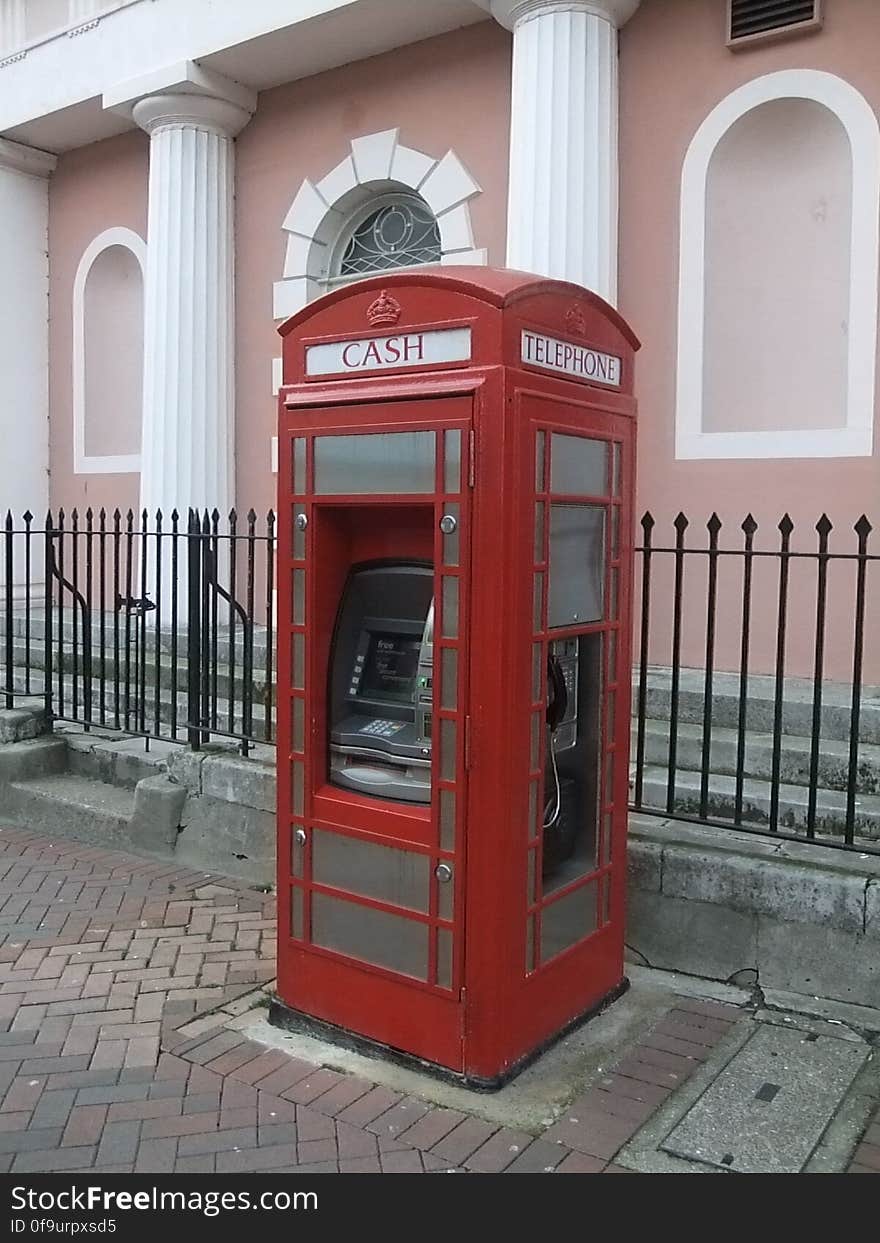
[(400, 877), (577, 564), (374, 936), (377, 462), (578, 467), (568, 921)]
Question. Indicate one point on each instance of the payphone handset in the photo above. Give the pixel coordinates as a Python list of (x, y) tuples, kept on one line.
[(381, 678), (562, 713)]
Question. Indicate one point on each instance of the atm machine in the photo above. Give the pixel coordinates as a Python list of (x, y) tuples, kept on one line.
[(381, 682)]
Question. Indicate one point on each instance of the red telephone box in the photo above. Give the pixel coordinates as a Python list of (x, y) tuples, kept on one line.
[(455, 507)]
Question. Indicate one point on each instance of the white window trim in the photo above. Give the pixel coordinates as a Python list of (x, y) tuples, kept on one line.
[(855, 439), (97, 464), (317, 214)]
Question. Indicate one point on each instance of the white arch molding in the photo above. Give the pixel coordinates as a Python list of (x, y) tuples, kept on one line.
[(109, 464), (855, 438), (377, 162)]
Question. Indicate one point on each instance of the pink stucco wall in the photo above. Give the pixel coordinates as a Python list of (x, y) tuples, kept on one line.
[(94, 188), (674, 69), (452, 92)]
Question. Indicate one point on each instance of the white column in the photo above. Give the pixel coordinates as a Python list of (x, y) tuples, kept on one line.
[(12, 27), (562, 209), (188, 439), (82, 10), (24, 330)]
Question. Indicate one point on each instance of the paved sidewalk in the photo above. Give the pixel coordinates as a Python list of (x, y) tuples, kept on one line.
[(127, 987)]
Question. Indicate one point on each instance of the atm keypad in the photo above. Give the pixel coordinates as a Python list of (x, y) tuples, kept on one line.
[(379, 728)]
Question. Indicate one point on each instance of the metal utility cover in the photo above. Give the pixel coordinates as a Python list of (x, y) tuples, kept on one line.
[(768, 1108)]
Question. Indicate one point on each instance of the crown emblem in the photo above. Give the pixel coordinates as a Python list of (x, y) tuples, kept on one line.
[(575, 322), (384, 312)]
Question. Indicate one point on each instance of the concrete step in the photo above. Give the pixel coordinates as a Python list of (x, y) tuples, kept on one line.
[(833, 769), (165, 640), (797, 716), (33, 658), (73, 806), (830, 807), (120, 761), (166, 714), (32, 757)]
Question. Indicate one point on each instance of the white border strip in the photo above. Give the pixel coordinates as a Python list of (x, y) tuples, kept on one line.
[(863, 130)]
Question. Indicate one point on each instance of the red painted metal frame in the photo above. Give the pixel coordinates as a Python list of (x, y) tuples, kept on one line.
[(496, 1013)]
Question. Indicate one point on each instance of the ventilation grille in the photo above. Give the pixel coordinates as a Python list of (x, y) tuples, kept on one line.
[(750, 19)]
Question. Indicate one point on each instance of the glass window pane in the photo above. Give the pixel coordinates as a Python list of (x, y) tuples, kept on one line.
[(379, 937), (297, 786), (530, 943), (578, 467), (531, 895), (299, 537), (444, 958), (616, 468), (539, 531), (376, 462), (537, 736), (299, 466), (449, 678), (400, 877), (577, 564), (538, 603), (296, 913), (450, 607), (447, 820), (445, 897), (298, 660), (607, 837), (299, 597), (568, 921), (452, 462), (297, 852), (540, 448), (451, 541), (447, 750), (299, 724), (537, 671)]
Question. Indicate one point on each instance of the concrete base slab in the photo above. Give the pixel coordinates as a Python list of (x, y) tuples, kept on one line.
[(541, 1092)]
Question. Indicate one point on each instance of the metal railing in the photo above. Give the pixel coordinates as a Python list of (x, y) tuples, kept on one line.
[(160, 629), (755, 658)]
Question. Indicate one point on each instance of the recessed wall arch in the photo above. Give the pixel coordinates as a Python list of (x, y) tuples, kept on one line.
[(858, 126), (116, 259)]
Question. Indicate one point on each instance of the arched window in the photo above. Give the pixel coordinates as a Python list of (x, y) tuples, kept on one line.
[(778, 275), (108, 354), (387, 232), (384, 206)]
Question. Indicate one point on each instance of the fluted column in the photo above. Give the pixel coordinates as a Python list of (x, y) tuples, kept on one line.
[(12, 27), (187, 455), (24, 343), (82, 10), (562, 208)]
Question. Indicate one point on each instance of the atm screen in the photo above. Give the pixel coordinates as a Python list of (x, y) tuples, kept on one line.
[(390, 667)]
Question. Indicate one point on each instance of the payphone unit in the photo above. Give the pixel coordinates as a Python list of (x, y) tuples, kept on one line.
[(456, 454)]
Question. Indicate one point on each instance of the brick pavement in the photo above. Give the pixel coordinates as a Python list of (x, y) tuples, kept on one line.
[(124, 990)]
